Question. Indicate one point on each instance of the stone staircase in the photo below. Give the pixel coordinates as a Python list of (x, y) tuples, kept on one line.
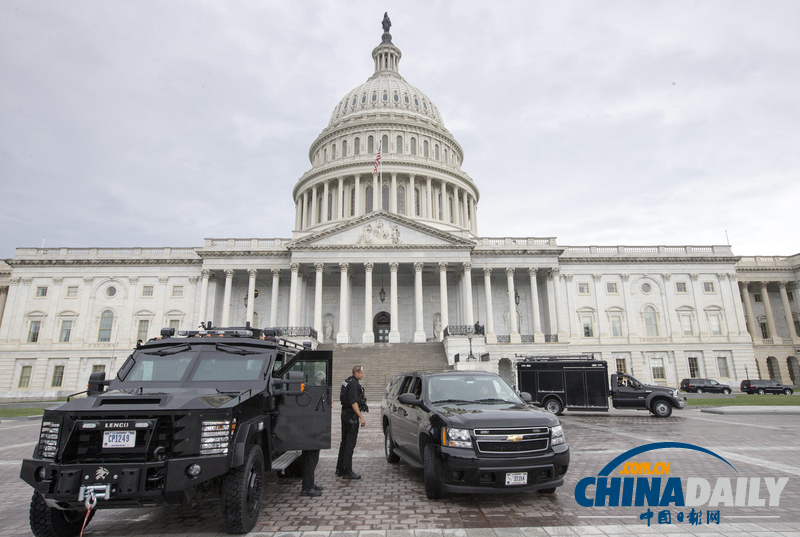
[(381, 361)]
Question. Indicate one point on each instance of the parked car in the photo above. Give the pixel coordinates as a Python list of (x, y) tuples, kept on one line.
[(704, 386), (471, 433), (765, 386)]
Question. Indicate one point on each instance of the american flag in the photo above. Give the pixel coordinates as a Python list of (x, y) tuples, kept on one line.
[(377, 159)]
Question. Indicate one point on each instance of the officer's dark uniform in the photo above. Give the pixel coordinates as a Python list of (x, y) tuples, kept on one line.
[(351, 392)]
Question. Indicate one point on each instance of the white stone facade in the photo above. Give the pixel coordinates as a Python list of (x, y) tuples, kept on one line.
[(395, 256)]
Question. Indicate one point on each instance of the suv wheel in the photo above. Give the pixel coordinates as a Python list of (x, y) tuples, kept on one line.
[(661, 408), (699, 390), (787, 391), (242, 489), (761, 391), (726, 391), (388, 447), (554, 406), (433, 483), (48, 521)]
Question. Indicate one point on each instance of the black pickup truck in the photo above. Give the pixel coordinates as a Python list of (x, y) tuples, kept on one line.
[(190, 417), (582, 383), (471, 433)]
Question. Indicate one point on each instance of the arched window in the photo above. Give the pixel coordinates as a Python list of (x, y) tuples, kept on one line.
[(440, 206), (344, 148), (385, 197), (330, 206), (369, 199), (106, 323), (650, 321), (352, 202), (450, 200), (385, 144), (413, 146), (416, 202), (401, 200), (436, 151), (357, 146), (325, 155), (319, 209), (370, 145), (333, 151), (425, 148), (444, 154), (399, 147)]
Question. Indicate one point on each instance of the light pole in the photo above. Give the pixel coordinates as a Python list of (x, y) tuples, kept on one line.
[(470, 331)]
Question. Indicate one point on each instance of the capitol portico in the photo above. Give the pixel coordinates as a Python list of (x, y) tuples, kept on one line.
[(390, 254)]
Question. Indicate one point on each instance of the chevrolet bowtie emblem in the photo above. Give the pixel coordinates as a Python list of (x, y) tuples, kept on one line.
[(514, 438)]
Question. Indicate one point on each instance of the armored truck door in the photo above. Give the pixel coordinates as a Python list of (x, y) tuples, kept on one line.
[(304, 421)]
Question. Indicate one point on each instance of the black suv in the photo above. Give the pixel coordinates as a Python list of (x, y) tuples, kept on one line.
[(470, 432), (704, 386), (765, 386), (190, 418)]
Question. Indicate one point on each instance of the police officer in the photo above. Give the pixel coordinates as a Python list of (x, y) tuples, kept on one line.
[(353, 403)]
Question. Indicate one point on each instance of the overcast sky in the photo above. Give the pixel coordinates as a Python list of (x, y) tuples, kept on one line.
[(161, 123)]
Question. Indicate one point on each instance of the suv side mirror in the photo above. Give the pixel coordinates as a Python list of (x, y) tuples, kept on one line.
[(525, 396), (411, 400), (97, 383)]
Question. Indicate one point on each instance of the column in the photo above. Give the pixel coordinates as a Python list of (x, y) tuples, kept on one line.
[(733, 289), (773, 332), (357, 210), (297, 214), (513, 327), (305, 222), (467, 274), (368, 336), (538, 336), (226, 298), (411, 198), (473, 208), (343, 336), (201, 308), (314, 210), (393, 195), (787, 309), (456, 206), (324, 202), (394, 332), (752, 324), (251, 294), (429, 198), (491, 336), (443, 296), (318, 267), (419, 330), (376, 193), (697, 291), (340, 196), (295, 267), (554, 277), (3, 299), (626, 291)]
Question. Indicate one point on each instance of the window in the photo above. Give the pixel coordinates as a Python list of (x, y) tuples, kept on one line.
[(715, 323), (370, 145), (694, 367), (72, 291), (66, 331), (357, 146), (650, 321), (385, 144), (425, 148), (33, 331), (757, 297), (96, 368), (797, 327), (385, 197), (58, 377), (147, 290), (111, 291), (436, 151), (680, 288), (41, 292), (399, 145), (141, 333), (401, 200), (764, 330), (344, 148), (369, 199), (790, 296), (616, 325), (25, 376), (413, 146), (450, 205), (330, 207), (646, 288), (176, 324), (583, 288), (611, 288), (416, 202), (686, 324), (177, 291), (106, 322), (708, 287), (588, 329), (333, 151), (622, 365), (657, 365), (352, 202), (722, 364)]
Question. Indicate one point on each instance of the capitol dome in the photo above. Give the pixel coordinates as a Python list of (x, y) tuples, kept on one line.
[(420, 174)]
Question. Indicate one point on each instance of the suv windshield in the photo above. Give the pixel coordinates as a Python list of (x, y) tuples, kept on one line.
[(470, 389)]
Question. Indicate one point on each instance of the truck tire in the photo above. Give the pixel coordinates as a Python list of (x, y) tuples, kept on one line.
[(48, 521), (433, 483), (388, 448), (242, 488), (554, 406), (661, 408)]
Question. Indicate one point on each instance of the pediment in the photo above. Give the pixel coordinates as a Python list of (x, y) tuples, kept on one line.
[(381, 230)]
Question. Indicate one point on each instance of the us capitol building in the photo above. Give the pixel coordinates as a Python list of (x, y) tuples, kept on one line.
[(391, 255)]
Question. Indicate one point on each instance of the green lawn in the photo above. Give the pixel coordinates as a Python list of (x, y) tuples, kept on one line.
[(749, 400), (17, 412)]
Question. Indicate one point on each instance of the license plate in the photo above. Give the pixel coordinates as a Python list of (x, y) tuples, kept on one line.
[(517, 478), (119, 439)]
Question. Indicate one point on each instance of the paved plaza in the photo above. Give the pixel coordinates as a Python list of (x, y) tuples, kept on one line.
[(390, 501)]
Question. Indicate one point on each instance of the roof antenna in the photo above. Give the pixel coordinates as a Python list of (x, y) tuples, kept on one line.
[(726, 238), (43, 238)]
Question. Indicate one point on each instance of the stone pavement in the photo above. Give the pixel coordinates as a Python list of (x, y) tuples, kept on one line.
[(390, 501)]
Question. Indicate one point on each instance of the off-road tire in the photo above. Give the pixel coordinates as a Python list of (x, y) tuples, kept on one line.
[(554, 406), (726, 391), (661, 408), (48, 521), (242, 490), (430, 468), (388, 447)]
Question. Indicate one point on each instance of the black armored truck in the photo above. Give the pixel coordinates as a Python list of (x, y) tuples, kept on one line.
[(582, 383), (193, 416)]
